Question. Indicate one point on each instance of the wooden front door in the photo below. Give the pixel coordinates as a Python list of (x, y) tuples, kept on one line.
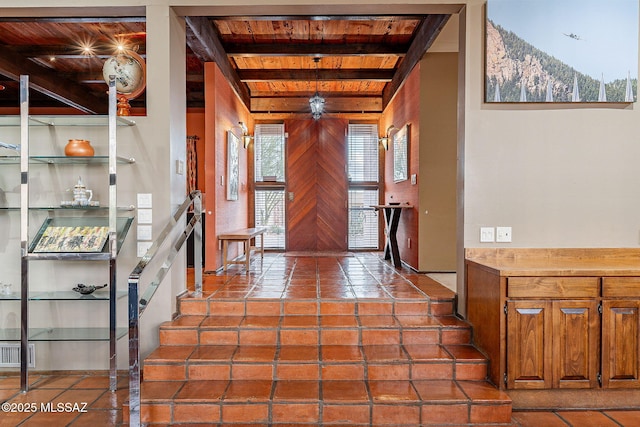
[(316, 185)]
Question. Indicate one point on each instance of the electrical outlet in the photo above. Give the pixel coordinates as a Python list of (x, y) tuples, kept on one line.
[(503, 234), (487, 234)]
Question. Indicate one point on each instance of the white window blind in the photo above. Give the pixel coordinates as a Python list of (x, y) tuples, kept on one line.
[(269, 152), (363, 153)]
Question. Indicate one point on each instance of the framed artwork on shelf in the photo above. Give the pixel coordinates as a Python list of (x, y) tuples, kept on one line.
[(401, 154), (233, 165), (72, 239)]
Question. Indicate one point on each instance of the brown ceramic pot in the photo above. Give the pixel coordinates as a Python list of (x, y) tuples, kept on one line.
[(79, 147)]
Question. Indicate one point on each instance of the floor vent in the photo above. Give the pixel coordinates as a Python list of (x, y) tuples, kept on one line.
[(10, 355)]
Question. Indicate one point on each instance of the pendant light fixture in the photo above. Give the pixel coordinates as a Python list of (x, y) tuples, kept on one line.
[(316, 101)]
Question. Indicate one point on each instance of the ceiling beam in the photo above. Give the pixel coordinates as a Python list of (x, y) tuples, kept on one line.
[(354, 104), (318, 50), (423, 39), (311, 75), (61, 89), (205, 43)]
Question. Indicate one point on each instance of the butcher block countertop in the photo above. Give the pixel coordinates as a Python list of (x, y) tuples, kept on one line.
[(557, 261)]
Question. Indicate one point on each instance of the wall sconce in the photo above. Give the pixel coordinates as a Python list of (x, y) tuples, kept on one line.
[(385, 139), (246, 137)]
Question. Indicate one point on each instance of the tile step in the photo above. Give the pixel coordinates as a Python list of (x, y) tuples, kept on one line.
[(308, 362), (397, 403), (311, 329)]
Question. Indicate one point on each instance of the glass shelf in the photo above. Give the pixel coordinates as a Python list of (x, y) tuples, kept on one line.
[(122, 228), (129, 208), (62, 334), (101, 295), (72, 120), (66, 160)]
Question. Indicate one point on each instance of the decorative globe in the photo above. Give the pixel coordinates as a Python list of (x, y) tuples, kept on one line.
[(129, 71)]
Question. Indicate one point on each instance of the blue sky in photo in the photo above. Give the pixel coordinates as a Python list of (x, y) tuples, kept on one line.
[(607, 32)]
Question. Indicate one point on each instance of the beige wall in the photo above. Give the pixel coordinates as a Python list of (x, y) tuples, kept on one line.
[(437, 173)]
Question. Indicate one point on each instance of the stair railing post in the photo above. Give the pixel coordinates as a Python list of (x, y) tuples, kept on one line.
[(134, 353), (197, 244)]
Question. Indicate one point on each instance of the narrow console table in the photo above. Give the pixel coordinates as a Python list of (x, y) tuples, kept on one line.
[(391, 221), (245, 236)]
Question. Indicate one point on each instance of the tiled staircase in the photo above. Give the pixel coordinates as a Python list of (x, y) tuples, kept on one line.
[(319, 340)]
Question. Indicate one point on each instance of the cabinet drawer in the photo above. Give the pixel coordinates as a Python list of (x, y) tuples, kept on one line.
[(621, 287), (553, 287)]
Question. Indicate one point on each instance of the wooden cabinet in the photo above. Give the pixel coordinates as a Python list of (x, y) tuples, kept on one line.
[(621, 332), (552, 344), (563, 319)]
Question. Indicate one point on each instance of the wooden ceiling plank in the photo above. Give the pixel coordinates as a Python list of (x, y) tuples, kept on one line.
[(310, 75), (320, 50), (425, 35), (204, 42), (49, 83)]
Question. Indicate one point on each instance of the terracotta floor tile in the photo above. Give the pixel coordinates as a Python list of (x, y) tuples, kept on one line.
[(300, 322), (427, 352), (587, 418), (258, 336), (190, 414), (159, 391), (378, 321), (352, 371), (481, 392), (245, 413), (345, 414), (260, 322), (248, 391), (299, 337), (185, 321), (417, 321), (440, 390), (111, 400), (305, 353), (218, 322), (106, 418), (296, 391), (537, 419), (255, 353), (57, 381), (377, 353), (170, 353), (100, 382), (392, 391), (341, 353), (395, 415), (337, 321), (625, 418), (212, 353), (339, 336), (466, 353), (344, 391), (202, 391)]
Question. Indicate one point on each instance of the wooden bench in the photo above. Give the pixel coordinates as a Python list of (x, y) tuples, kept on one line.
[(244, 235)]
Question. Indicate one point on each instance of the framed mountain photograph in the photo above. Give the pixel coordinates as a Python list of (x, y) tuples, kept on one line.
[(561, 51)]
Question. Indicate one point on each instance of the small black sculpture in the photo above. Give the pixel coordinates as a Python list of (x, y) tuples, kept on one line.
[(88, 289)]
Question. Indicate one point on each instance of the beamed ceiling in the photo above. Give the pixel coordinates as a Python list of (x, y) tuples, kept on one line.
[(273, 63)]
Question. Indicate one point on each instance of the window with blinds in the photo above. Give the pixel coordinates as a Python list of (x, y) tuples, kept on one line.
[(363, 169), (363, 153), (269, 151)]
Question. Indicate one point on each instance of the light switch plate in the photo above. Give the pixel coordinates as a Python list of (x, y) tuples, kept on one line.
[(487, 235)]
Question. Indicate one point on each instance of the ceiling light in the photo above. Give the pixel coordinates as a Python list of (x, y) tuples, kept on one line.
[(316, 102)]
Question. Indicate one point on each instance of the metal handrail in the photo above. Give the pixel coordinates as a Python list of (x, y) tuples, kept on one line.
[(137, 305)]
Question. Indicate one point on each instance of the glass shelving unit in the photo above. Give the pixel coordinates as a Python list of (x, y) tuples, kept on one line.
[(66, 216)]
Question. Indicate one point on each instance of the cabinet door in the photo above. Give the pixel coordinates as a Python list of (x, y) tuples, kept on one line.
[(575, 344), (529, 347), (621, 344)]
